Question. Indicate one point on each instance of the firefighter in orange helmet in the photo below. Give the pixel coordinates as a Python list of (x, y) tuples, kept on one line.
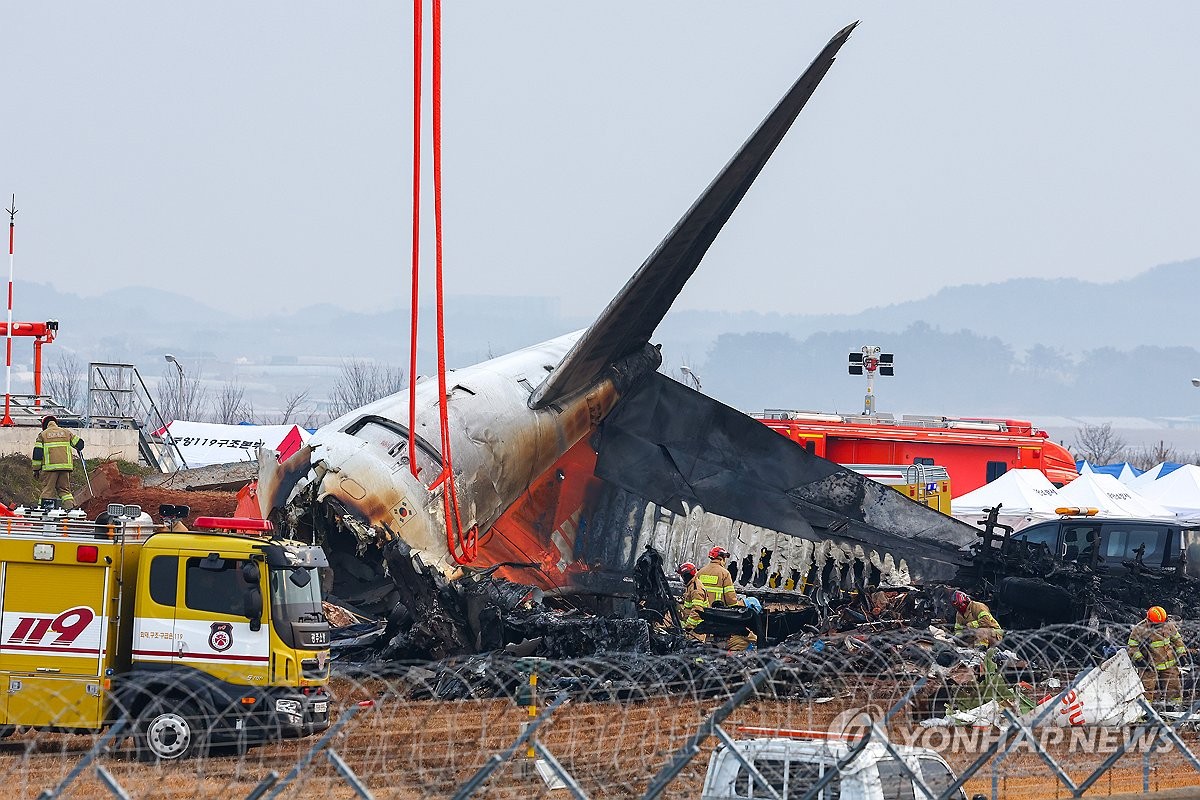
[(716, 580), (1156, 642), (718, 586)]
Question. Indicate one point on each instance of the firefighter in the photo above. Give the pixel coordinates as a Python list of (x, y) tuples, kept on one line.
[(718, 587), (54, 454), (974, 621), (1158, 637), (739, 643), (694, 599), (717, 581)]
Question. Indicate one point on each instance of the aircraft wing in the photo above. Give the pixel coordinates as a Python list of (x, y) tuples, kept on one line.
[(679, 448), (630, 319)]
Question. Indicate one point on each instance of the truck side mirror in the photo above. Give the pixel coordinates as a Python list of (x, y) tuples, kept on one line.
[(254, 599), (254, 606)]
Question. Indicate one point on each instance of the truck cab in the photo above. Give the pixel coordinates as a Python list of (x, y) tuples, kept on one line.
[(793, 765), (190, 638), (1110, 543)]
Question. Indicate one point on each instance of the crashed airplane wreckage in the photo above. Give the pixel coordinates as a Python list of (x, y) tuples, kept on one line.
[(574, 456)]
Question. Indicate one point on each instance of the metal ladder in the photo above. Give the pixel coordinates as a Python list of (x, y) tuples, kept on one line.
[(118, 398)]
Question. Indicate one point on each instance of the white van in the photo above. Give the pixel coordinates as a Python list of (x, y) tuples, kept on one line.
[(793, 765)]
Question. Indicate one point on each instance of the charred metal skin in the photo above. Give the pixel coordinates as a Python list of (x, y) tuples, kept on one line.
[(499, 445)]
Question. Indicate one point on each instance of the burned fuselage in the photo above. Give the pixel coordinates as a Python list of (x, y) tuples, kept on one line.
[(359, 471)]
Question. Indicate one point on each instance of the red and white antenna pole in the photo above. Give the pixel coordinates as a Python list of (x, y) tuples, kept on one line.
[(8, 421)]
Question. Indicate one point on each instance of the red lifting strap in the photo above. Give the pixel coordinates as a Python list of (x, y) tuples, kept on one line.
[(463, 547)]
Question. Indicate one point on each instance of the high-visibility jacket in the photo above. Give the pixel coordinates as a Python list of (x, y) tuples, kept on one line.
[(978, 622), (694, 599), (718, 583), (54, 449), (1162, 642)]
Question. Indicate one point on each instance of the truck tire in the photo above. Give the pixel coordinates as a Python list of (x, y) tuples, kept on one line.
[(170, 731)]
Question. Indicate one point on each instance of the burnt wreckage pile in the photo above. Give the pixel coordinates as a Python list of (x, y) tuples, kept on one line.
[(425, 616), (1028, 585)]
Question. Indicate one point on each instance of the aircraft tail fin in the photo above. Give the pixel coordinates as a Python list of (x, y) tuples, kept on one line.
[(631, 318)]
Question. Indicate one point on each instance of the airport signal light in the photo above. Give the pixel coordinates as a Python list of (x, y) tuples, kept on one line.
[(871, 361)]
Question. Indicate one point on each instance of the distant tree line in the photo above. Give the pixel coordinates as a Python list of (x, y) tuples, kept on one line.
[(1099, 444)]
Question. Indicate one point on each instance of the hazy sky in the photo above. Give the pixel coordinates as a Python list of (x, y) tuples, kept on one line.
[(233, 151)]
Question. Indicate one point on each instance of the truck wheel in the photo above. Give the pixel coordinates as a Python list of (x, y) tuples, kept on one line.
[(170, 732)]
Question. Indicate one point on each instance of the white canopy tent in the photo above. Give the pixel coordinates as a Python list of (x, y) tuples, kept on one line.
[(1124, 471), (1154, 473), (1025, 496), (1178, 491), (1111, 496)]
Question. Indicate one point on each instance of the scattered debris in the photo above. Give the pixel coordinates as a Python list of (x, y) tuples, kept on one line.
[(1102, 695), (1029, 585), (214, 477)]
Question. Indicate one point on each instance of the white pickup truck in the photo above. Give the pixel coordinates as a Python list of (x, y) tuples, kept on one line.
[(792, 765)]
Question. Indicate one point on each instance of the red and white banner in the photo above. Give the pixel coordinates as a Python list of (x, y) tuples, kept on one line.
[(204, 443)]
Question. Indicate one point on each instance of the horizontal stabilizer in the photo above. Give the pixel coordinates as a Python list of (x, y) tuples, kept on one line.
[(679, 448), (630, 319)]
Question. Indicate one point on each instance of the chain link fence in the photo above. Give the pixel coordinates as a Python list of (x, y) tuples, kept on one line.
[(824, 718)]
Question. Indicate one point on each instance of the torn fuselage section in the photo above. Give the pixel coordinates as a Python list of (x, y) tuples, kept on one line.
[(710, 475), (378, 501)]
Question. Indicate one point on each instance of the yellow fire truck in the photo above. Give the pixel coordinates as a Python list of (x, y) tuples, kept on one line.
[(928, 485), (191, 638)]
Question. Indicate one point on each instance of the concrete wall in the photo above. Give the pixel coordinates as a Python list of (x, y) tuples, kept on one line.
[(97, 442)]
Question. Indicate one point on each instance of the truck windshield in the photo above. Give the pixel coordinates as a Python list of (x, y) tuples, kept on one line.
[(290, 600), (791, 778)]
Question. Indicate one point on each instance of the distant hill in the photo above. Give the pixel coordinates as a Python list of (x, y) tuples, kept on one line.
[(1024, 346), (1070, 314)]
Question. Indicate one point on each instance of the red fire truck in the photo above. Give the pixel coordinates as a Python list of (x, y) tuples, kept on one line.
[(974, 451)]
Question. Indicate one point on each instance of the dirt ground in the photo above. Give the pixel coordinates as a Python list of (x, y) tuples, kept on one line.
[(112, 486), (111, 482), (406, 749)]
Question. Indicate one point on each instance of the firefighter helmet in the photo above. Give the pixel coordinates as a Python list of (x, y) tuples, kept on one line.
[(687, 570), (1157, 614), (46, 420), (718, 552), (960, 601)]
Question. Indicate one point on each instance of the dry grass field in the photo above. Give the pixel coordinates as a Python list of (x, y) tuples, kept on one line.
[(406, 749)]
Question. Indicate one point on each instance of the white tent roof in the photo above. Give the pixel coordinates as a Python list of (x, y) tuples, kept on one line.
[(1152, 474), (1125, 475), (1111, 496), (1019, 491), (1146, 478), (1178, 491)]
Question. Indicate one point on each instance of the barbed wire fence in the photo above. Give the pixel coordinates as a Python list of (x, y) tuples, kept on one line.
[(639, 725)]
